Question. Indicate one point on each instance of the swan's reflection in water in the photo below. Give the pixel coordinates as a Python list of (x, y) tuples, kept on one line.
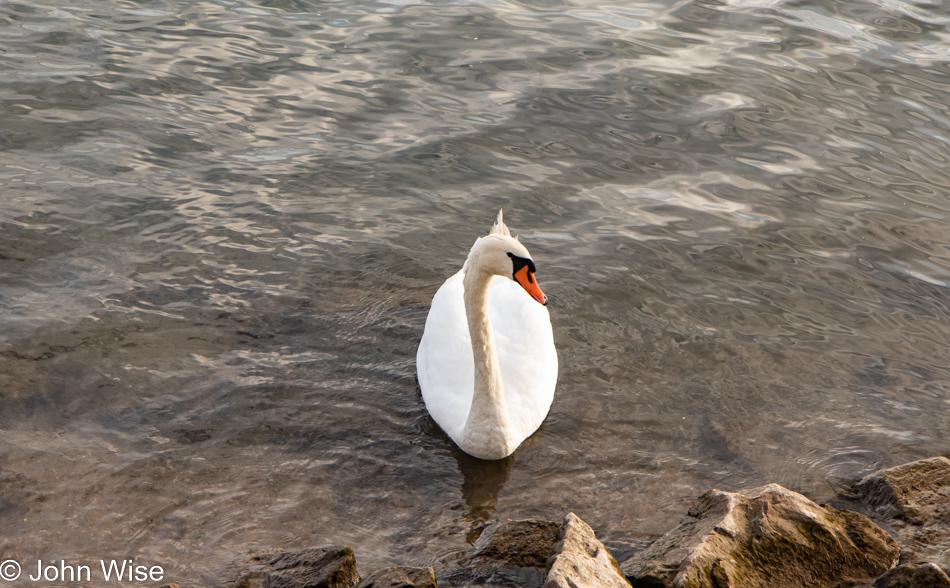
[(482, 480)]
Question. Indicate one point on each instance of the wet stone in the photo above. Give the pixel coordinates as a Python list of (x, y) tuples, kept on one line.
[(323, 567), (493, 577), (517, 544), (914, 500), (768, 537), (507, 554), (917, 492), (914, 575), (400, 577)]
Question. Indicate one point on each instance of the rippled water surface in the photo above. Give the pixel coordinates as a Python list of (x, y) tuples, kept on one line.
[(221, 224)]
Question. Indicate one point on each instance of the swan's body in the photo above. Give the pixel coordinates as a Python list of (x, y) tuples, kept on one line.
[(490, 396)]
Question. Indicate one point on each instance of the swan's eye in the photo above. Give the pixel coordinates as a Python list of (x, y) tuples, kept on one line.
[(520, 262)]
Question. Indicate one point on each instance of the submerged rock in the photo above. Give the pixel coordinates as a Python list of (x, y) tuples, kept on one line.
[(580, 560), (323, 567), (507, 554), (518, 544), (914, 575), (400, 577), (768, 537), (914, 499)]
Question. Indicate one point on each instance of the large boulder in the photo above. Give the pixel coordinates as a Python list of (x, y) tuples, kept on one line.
[(580, 560), (914, 575), (322, 567), (400, 577), (507, 554), (914, 499), (768, 537)]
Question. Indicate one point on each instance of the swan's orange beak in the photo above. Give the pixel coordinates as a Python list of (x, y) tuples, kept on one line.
[(525, 277)]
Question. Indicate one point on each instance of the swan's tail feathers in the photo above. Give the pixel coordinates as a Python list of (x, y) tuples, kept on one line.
[(499, 227)]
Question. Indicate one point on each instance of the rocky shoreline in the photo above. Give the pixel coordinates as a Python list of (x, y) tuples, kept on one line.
[(895, 533)]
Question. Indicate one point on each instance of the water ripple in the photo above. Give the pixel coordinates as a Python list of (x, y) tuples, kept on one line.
[(222, 224)]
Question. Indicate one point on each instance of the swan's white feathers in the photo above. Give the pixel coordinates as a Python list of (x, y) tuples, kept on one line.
[(499, 228), (517, 372), (526, 355)]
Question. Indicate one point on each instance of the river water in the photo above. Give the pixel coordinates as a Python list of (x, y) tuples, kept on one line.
[(221, 223)]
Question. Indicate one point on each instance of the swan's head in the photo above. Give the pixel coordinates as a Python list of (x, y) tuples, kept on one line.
[(501, 254)]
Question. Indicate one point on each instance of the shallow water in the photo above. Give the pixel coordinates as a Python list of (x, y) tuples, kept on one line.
[(221, 224)]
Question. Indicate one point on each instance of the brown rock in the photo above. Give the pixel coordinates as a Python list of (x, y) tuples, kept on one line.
[(914, 575), (917, 492), (508, 554), (400, 577), (517, 544), (769, 537), (323, 567), (581, 561), (914, 499)]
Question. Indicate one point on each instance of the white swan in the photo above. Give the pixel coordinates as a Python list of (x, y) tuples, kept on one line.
[(487, 364)]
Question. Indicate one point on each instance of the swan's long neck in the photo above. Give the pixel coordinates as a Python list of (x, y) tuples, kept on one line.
[(487, 429)]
